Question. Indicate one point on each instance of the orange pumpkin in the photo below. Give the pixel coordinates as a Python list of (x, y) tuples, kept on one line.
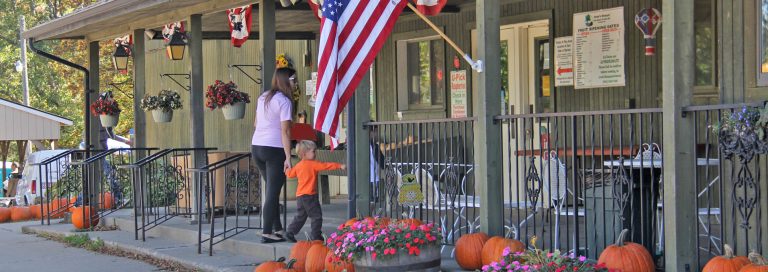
[(289, 267), (469, 250), (341, 266), (757, 263), (271, 265), (34, 210), (299, 252), (71, 203), (410, 221), (107, 201), (384, 222), (726, 263), (20, 214), (57, 208), (494, 248), (627, 256), (80, 217), (316, 258), (350, 222), (5, 215)]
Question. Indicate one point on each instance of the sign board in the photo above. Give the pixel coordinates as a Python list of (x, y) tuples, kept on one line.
[(564, 61), (459, 94), (598, 48)]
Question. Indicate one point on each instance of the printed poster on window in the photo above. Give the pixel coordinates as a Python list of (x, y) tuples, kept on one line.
[(564, 61), (598, 48), (459, 94)]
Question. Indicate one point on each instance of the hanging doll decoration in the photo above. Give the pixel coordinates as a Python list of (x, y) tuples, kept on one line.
[(410, 191)]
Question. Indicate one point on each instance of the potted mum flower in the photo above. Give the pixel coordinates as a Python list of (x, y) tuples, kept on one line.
[(379, 244), (228, 98), (107, 109), (542, 261), (162, 105)]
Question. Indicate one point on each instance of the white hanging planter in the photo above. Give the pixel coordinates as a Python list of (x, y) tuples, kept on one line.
[(109, 120), (234, 112), (162, 116)]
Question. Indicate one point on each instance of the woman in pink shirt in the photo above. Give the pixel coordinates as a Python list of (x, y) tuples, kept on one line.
[(271, 147)]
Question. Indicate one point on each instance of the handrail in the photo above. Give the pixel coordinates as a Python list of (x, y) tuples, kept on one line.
[(444, 120), (109, 152), (219, 164), (64, 154), (159, 154), (724, 106), (577, 113)]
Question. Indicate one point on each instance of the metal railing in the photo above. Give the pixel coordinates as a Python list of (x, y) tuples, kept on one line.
[(59, 183), (438, 155), (104, 189), (576, 179), (232, 188), (729, 208), (162, 187)]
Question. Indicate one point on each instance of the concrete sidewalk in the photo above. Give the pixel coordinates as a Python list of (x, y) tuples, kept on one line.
[(23, 252)]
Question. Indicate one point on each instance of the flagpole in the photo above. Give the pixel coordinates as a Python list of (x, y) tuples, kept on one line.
[(476, 65)]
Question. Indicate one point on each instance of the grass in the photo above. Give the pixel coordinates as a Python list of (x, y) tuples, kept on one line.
[(84, 241)]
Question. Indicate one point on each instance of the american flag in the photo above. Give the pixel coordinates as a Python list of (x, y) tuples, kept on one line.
[(351, 34)]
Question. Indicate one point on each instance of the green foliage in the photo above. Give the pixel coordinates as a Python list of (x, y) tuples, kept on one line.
[(84, 241)]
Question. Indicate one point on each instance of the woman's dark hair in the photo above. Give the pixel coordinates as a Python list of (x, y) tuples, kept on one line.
[(281, 83)]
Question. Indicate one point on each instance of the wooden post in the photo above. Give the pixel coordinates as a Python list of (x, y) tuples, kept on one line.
[(362, 150), (139, 88), (196, 122), (487, 136), (267, 39), (93, 93), (678, 56)]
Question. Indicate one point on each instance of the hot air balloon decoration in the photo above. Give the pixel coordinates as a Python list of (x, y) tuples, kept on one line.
[(648, 21)]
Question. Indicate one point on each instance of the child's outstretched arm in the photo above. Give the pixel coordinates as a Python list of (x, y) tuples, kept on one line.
[(330, 166)]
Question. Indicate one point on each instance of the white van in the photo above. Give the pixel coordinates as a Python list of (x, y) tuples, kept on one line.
[(26, 191)]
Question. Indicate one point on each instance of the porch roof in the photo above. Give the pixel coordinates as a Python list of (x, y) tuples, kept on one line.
[(112, 18)]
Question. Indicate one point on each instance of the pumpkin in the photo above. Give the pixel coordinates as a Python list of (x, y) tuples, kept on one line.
[(494, 248), (289, 267), (107, 201), (5, 215), (271, 265), (34, 211), (384, 222), (340, 266), (20, 214), (57, 208), (350, 222), (316, 258), (627, 256), (82, 222), (71, 203), (757, 263), (726, 263), (469, 250), (299, 252), (410, 221)]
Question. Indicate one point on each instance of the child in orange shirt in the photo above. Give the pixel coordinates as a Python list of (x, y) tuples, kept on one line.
[(307, 199)]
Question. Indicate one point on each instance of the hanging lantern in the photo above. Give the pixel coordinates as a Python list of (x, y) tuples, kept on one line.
[(120, 58), (648, 21), (175, 48)]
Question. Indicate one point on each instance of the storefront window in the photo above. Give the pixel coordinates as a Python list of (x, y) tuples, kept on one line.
[(762, 43), (423, 64), (704, 29)]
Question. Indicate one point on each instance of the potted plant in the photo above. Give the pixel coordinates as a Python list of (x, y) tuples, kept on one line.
[(162, 105), (107, 109), (743, 133), (228, 98), (544, 261), (381, 244)]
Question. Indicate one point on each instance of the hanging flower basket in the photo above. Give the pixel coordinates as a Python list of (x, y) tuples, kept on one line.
[(743, 133), (108, 120), (234, 112), (161, 116), (228, 98), (162, 105), (107, 109)]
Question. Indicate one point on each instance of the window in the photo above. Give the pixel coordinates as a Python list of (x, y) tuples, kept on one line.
[(421, 74), (704, 30), (762, 43)]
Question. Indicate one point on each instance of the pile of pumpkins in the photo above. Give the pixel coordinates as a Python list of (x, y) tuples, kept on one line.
[(314, 256), (731, 263), (35, 212)]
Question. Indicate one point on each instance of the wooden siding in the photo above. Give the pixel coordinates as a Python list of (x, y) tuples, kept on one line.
[(221, 134), (643, 73), (19, 125)]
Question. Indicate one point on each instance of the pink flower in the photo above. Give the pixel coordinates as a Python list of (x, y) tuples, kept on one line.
[(506, 252), (386, 240), (582, 259), (373, 256)]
